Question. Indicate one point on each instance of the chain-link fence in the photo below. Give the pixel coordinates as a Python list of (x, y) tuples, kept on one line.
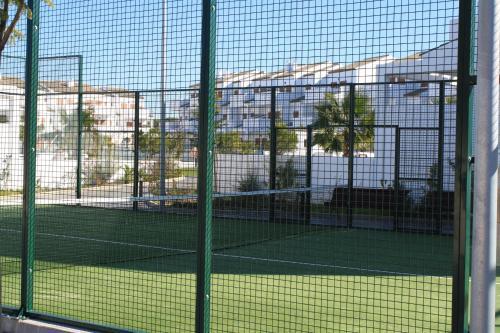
[(237, 166)]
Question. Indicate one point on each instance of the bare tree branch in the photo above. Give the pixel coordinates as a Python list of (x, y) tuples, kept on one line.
[(5, 17), (8, 32)]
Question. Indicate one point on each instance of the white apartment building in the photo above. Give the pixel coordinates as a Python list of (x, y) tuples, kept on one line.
[(57, 128)]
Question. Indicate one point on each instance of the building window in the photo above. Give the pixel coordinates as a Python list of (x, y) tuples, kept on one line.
[(3, 119), (244, 116), (295, 114), (305, 143), (130, 124), (218, 94), (236, 92)]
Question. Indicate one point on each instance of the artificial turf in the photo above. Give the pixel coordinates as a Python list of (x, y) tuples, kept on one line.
[(267, 277)]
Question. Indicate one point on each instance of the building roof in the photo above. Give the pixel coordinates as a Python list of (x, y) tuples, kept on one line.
[(60, 86), (358, 64)]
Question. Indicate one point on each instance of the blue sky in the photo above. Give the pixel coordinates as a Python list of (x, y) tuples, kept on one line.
[(120, 40)]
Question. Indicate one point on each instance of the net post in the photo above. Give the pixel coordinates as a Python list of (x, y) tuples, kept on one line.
[(397, 161), (461, 225), (350, 166), (309, 144), (137, 100), (438, 221), (29, 171), (272, 156), (206, 132), (80, 129)]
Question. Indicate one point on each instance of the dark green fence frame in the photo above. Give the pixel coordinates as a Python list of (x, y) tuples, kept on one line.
[(80, 129), (272, 155), (205, 179), (29, 173), (463, 161), (206, 133)]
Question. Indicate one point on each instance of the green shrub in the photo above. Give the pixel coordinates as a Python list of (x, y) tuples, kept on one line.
[(128, 175), (286, 175), (250, 183)]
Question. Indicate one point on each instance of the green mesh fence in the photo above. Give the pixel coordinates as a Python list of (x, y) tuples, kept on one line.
[(325, 203)]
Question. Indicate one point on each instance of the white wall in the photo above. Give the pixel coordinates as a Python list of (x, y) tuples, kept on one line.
[(51, 173), (327, 171)]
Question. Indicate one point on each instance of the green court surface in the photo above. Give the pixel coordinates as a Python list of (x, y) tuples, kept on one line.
[(137, 270)]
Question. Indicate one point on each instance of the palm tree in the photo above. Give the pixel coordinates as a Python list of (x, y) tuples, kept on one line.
[(333, 123)]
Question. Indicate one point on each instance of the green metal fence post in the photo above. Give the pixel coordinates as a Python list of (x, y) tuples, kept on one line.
[(309, 144), (397, 161), (439, 223), (272, 155), (80, 129), (350, 166), (136, 148), (461, 230), (29, 172), (206, 134)]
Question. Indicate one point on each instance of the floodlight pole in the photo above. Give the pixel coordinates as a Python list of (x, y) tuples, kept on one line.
[(486, 169), (162, 100)]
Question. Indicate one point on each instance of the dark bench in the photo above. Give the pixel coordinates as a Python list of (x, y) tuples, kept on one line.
[(431, 205), (369, 198), (439, 207)]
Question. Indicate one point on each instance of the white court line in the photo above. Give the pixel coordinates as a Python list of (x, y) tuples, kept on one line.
[(104, 241), (331, 266), (237, 256)]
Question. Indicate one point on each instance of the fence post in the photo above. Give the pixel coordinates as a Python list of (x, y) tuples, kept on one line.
[(163, 106), (29, 171), (350, 166), (80, 129), (272, 156), (397, 161), (309, 144), (136, 148), (439, 222), (206, 134), (463, 158)]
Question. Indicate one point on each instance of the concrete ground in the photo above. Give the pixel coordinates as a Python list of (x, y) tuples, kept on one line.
[(14, 325)]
